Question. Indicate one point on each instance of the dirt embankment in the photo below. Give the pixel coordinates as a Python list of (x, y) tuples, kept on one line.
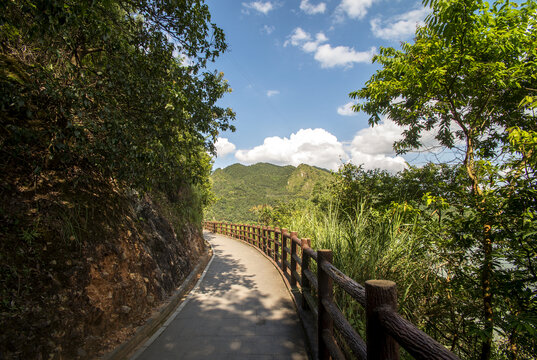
[(83, 263)]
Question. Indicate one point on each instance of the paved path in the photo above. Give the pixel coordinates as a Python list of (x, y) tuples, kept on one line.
[(241, 310)]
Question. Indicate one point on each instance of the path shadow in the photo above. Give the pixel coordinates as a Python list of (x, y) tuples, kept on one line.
[(241, 310)]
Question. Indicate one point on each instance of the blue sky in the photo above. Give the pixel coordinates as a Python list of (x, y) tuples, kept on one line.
[(291, 65)]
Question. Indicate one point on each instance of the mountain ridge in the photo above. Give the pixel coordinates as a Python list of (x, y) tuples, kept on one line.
[(240, 187)]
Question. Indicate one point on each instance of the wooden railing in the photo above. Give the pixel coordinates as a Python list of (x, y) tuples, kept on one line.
[(385, 328)]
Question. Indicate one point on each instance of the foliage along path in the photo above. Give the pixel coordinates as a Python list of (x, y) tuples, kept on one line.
[(240, 310)]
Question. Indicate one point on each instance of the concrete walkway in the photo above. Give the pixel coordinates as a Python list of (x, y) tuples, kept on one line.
[(241, 310)]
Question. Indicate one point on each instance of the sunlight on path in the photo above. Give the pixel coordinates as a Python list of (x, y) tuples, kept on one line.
[(241, 310)]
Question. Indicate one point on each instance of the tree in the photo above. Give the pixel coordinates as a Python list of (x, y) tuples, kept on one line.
[(119, 85), (466, 77), (264, 214)]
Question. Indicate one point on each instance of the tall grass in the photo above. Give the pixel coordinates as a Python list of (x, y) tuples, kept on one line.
[(369, 245)]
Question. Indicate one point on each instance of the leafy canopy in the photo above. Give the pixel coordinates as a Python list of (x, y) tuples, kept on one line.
[(466, 74), (119, 84)]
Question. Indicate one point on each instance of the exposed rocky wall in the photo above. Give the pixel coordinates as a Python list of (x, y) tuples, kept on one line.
[(83, 264)]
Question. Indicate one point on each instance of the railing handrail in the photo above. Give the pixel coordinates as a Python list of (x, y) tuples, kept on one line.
[(385, 328)]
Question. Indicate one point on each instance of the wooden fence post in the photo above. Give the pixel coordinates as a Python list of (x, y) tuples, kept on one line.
[(379, 293), (293, 261), (256, 235), (267, 240), (284, 254), (305, 243), (271, 237), (263, 239), (324, 321), (277, 234), (274, 240)]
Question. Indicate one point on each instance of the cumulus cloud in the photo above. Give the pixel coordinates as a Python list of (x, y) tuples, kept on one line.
[(307, 146), (373, 147), (313, 45), (370, 147), (378, 139), (327, 55), (379, 161), (310, 9), (346, 110), (297, 38), (223, 147), (271, 93), (354, 9), (259, 6), (342, 56), (399, 27)]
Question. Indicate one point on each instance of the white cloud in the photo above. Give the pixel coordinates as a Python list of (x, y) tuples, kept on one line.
[(268, 29), (262, 7), (373, 147), (297, 38), (354, 9), (311, 46), (343, 56), (307, 146), (346, 110), (399, 27), (379, 161), (223, 147), (325, 54), (312, 9), (378, 139), (271, 93)]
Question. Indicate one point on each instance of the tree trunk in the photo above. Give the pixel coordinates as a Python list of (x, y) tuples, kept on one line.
[(486, 244), (486, 275)]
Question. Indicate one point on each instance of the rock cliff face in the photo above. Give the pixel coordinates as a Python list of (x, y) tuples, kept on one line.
[(83, 264), (126, 282)]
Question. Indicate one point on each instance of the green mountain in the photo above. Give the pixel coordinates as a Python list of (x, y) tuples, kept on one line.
[(238, 188)]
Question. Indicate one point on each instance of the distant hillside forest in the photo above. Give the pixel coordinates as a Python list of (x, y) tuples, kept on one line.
[(242, 192)]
